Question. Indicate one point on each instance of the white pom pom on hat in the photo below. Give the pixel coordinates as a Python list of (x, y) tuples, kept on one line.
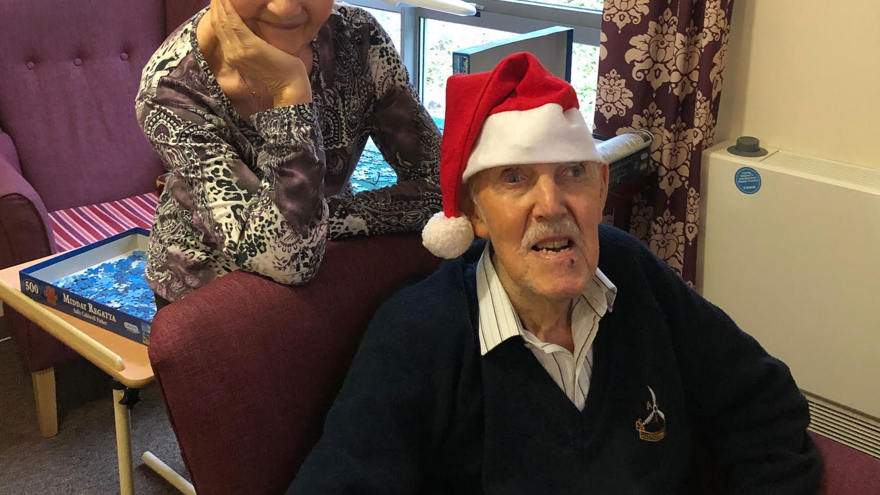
[(518, 113), (447, 237)]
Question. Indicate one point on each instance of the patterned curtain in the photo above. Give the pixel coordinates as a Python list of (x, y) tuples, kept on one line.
[(660, 64)]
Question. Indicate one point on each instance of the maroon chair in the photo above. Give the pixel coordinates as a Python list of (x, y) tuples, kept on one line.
[(249, 367), (846, 470), (68, 134)]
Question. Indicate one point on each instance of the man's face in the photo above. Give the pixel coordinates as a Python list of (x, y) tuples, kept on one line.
[(542, 220)]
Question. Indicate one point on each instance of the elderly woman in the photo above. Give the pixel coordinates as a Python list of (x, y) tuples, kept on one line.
[(260, 110)]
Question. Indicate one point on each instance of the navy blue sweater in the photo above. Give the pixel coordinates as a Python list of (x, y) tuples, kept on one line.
[(422, 412)]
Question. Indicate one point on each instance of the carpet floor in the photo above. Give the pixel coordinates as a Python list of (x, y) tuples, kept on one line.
[(81, 459)]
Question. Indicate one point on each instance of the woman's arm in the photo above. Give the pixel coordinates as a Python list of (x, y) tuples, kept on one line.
[(410, 142), (271, 220)]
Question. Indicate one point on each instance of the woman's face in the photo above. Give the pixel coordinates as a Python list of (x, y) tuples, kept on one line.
[(288, 25)]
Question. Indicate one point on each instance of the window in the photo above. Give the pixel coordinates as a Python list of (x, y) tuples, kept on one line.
[(441, 39), (426, 39)]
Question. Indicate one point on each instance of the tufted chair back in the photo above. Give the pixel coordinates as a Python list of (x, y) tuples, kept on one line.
[(70, 73)]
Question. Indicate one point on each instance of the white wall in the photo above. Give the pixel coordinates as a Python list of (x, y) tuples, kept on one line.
[(804, 76)]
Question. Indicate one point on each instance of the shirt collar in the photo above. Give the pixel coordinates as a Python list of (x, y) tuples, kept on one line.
[(498, 319)]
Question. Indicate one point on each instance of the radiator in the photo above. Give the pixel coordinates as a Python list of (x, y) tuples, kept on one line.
[(790, 249)]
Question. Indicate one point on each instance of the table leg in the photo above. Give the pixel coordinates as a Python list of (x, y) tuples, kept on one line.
[(44, 397), (123, 440), (169, 474)]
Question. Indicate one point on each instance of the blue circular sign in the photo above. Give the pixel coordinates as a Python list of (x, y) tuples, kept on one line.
[(747, 180)]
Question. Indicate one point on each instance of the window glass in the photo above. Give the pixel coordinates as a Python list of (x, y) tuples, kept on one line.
[(441, 39), (587, 4), (440, 43), (584, 75)]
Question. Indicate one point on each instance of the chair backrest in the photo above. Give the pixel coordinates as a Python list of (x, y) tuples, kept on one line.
[(249, 367), (70, 72)]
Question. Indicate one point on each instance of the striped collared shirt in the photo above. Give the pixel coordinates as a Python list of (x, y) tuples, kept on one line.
[(499, 322)]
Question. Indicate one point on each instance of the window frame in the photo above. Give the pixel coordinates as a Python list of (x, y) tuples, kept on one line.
[(506, 15)]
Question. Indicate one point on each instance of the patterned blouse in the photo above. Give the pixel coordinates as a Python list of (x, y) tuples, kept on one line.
[(264, 194)]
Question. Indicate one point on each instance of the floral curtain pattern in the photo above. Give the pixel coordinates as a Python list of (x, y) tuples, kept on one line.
[(660, 69)]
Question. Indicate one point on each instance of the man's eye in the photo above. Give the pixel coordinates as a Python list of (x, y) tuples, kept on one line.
[(576, 170), (512, 177)]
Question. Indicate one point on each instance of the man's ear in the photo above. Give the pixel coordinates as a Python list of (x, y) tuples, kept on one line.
[(467, 206), (603, 175)]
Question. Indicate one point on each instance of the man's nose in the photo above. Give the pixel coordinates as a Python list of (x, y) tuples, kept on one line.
[(548, 198)]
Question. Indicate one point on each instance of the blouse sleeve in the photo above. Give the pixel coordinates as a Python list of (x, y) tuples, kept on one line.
[(271, 220), (409, 141)]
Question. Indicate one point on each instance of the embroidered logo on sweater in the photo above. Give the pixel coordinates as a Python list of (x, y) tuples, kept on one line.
[(653, 427)]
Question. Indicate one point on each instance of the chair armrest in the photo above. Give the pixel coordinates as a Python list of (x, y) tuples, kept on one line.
[(25, 231), (8, 151), (249, 367)]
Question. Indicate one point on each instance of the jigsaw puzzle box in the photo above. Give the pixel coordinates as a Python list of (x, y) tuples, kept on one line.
[(102, 283)]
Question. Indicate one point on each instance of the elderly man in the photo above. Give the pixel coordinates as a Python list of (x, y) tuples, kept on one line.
[(559, 356)]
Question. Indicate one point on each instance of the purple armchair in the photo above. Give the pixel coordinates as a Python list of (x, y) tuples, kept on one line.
[(68, 134), (249, 368)]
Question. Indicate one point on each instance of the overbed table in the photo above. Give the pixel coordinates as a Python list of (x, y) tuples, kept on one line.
[(124, 360)]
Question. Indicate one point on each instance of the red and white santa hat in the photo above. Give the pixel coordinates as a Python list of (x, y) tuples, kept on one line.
[(518, 113)]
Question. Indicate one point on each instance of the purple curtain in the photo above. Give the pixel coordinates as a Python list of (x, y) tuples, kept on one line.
[(660, 65)]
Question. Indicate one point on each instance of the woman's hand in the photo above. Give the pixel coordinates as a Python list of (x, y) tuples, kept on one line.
[(283, 75)]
